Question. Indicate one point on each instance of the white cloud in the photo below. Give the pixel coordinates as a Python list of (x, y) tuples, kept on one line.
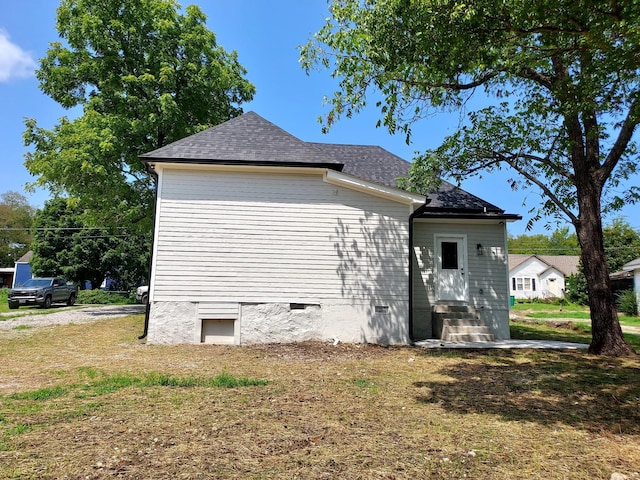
[(14, 62)]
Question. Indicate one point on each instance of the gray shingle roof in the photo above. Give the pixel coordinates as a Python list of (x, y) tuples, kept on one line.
[(367, 162), (450, 197), (250, 139), (26, 258), (381, 166), (245, 139)]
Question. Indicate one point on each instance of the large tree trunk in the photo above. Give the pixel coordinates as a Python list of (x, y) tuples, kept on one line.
[(607, 338)]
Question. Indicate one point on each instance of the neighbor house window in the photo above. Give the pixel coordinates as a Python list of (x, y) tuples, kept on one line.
[(523, 283)]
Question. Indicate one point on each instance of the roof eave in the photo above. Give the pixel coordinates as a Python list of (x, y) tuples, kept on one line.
[(469, 214), (631, 266), (356, 183), (256, 163)]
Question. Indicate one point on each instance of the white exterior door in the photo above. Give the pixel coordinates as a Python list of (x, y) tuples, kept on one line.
[(451, 273)]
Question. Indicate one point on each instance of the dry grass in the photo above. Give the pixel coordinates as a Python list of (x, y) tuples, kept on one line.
[(75, 404)]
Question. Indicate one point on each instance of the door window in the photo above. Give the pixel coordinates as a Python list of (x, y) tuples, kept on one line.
[(450, 255)]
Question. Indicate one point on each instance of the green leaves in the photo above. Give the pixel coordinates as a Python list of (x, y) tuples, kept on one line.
[(67, 244), (144, 75), (562, 70), (16, 216)]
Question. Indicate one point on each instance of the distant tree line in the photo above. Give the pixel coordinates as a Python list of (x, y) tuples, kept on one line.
[(65, 244), (16, 217)]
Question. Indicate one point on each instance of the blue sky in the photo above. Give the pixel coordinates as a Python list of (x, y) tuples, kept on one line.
[(266, 35)]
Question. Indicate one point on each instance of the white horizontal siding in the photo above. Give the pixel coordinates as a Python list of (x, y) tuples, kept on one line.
[(529, 269), (230, 237), (226, 311)]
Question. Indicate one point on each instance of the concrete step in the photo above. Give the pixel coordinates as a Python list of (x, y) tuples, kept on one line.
[(450, 329), (453, 309), (459, 323), (459, 318), (469, 337), (440, 319), (454, 315)]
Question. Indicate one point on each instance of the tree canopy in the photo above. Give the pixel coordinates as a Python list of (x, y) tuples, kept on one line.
[(144, 74), (560, 242), (63, 245), (16, 216), (621, 243), (562, 76)]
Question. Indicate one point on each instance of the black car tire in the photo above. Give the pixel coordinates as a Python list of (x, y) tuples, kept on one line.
[(47, 302), (72, 299), (145, 299), (14, 306)]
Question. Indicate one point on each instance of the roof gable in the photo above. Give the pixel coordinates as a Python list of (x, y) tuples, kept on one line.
[(26, 258), (368, 162), (378, 165), (245, 139)]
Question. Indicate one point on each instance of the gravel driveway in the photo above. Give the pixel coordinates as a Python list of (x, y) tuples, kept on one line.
[(62, 315)]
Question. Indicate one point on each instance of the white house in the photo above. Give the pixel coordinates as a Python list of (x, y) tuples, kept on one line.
[(261, 237), (634, 267), (540, 276)]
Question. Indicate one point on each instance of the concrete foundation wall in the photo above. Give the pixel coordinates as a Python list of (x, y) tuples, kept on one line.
[(173, 323), (278, 323), (181, 322)]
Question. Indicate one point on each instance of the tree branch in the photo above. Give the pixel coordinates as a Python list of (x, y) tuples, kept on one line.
[(450, 86), (621, 143), (558, 169), (541, 79), (536, 180)]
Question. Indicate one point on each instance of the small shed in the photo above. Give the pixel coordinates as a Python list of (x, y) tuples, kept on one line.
[(23, 269), (6, 277)]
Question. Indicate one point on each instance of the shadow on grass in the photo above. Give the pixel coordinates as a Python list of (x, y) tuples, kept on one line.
[(574, 389)]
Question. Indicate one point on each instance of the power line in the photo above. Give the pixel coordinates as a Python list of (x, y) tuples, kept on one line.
[(41, 229)]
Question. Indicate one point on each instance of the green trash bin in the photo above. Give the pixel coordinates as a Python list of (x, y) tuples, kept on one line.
[(512, 300)]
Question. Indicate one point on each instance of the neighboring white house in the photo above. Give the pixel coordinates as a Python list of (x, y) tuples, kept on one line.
[(261, 237), (540, 276), (634, 266), (23, 269)]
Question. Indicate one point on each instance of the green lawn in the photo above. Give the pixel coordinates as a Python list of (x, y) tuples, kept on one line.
[(538, 328), (547, 307), (4, 292)]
